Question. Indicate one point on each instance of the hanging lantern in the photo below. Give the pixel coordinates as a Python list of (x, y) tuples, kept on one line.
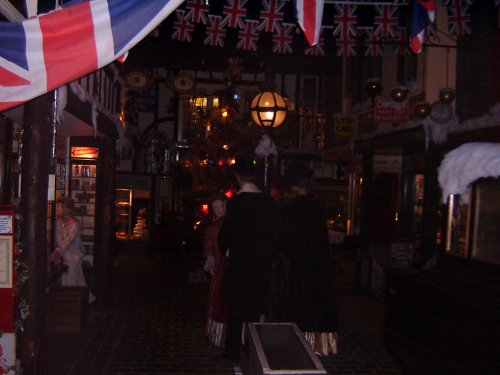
[(447, 95), (268, 109), (398, 94), (422, 109)]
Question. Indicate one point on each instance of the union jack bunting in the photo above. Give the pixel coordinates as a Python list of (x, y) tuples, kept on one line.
[(34, 53), (458, 19), (249, 36), (463, 2), (271, 15), (316, 50), (345, 20), (215, 32), (346, 46), (282, 41), (196, 11), (372, 44), (235, 13), (402, 47), (386, 20), (182, 28)]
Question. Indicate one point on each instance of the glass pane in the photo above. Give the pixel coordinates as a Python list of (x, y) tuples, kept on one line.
[(486, 245), (457, 229)]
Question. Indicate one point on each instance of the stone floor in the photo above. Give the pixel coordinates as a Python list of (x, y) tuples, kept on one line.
[(155, 326)]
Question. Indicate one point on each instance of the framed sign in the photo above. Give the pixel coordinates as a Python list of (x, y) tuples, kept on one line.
[(8, 353), (6, 224), (6, 255)]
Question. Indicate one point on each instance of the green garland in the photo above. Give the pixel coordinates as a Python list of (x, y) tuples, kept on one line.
[(21, 272)]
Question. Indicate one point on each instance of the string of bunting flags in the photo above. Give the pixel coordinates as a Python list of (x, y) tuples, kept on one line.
[(348, 28)]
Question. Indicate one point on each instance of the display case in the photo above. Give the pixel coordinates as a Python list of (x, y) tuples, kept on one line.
[(123, 213)]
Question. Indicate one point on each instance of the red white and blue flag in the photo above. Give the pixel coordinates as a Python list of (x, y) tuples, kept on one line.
[(386, 20), (215, 32), (459, 18), (345, 20), (283, 40), (423, 14), (373, 47), (317, 50), (235, 13), (271, 15), (249, 36), (196, 11), (183, 28), (44, 52), (309, 17)]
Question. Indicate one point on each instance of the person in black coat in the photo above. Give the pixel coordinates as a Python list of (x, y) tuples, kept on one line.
[(308, 288), (248, 238)]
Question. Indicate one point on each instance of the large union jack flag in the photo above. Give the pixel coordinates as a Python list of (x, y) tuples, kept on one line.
[(50, 50)]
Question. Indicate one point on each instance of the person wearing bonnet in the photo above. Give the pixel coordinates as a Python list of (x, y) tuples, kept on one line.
[(308, 294), (248, 238)]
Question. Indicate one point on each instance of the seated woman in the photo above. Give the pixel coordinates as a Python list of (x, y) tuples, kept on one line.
[(69, 244)]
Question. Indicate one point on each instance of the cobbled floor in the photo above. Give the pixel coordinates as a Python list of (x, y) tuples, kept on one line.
[(155, 324)]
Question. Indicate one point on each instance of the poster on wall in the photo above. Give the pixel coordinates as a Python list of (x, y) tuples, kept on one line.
[(8, 353), (389, 111), (344, 125)]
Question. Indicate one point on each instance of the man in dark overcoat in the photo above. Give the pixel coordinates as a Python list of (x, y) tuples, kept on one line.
[(248, 237)]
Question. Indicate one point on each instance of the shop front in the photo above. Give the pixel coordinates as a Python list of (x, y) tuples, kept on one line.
[(442, 314)]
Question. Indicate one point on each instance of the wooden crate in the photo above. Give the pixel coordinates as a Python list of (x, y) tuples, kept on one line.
[(66, 308)]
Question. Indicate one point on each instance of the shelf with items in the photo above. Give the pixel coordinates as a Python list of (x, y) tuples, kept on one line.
[(83, 191), (123, 207)]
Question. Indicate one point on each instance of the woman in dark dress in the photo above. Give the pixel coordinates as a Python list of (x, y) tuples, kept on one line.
[(309, 294)]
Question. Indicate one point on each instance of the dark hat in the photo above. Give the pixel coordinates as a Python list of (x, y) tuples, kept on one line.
[(245, 165), (296, 172)]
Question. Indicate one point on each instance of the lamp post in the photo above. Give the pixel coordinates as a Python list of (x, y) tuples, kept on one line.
[(268, 110)]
